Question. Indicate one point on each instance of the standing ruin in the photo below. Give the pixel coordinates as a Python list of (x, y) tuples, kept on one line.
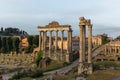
[(85, 63), (55, 53)]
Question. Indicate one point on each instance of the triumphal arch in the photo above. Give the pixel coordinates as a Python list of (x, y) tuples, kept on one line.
[(48, 40), (85, 64)]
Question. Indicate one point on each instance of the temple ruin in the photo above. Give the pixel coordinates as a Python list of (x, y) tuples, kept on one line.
[(85, 63), (53, 51)]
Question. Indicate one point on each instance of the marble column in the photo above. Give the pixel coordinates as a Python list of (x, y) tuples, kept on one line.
[(40, 40), (50, 43), (89, 43), (56, 42)]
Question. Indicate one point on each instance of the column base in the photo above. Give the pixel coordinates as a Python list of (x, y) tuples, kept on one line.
[(85, 68), (68, 58), (90, 69), (80, 68)]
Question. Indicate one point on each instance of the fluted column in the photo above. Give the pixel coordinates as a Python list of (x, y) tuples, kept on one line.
[(50, 43), (56, 42), (89, 43), (40, 40)]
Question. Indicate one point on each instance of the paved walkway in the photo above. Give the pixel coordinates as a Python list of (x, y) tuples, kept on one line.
[(64, 69)]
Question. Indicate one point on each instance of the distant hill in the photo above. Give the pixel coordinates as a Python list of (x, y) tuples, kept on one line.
[(12, 32)]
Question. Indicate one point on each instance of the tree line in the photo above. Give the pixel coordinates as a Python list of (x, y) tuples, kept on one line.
[(9, 44), (12, 44), (11, 31)]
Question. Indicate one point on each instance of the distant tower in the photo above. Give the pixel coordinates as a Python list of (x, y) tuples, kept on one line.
[(85, 63)]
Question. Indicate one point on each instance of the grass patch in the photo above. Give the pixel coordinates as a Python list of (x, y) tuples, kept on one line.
[(54, 65), (105, 64), (104, 75)]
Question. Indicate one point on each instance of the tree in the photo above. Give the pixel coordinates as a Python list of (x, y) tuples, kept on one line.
[(39, 57), (9, 45), (36, 40), (16, 42), (3, 49), (2, 29)]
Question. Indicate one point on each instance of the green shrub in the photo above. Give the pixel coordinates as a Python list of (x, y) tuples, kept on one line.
[(32, 74), (65, 63), (36, 74)]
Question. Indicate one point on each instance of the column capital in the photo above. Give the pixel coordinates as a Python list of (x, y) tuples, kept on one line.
[(90, 26)]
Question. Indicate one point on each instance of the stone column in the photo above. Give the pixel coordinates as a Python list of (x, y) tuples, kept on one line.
[(44, 44), (40, 40), (44, 41), (62, 35), (84, 43), (80, 69), (89, 43), (70, 41), (56, 42), (42, 47), (50, 43), (68, 47)]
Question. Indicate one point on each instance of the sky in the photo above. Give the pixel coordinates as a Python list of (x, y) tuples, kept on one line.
[(28, 14)]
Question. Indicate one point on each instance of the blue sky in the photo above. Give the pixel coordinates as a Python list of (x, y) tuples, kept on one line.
[(28, 14)]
